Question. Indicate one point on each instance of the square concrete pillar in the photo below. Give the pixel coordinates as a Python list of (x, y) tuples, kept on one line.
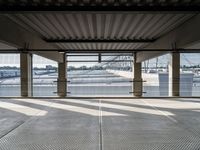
[(26, 74), (62, 81), (137, 80), (174, 74)]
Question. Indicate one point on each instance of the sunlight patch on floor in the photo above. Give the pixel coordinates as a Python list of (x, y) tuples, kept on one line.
[(78, 109), (121, 107), (29, 111)]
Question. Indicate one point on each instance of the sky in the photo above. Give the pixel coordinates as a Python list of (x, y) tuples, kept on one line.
[(38, 61), (186, 59), (14, 60)]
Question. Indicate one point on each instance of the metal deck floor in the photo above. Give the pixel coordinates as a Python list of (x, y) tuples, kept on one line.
[(100, 124)]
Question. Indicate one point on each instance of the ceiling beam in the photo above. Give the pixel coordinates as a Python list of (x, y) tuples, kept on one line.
[(100, 9), (149, 51), (14, 35), (100, 40), (181, 37)]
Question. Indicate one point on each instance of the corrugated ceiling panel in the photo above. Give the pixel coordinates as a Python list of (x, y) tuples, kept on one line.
[(101, 46), (176, 23), (100, 26)]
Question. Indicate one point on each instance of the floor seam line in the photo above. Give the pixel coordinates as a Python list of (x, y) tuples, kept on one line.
[(100, 127), (167, 116), (178, 122), (14, 128), (22, 122)]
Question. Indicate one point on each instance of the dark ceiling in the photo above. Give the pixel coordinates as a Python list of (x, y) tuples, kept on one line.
[(99, 24), (99, 5)]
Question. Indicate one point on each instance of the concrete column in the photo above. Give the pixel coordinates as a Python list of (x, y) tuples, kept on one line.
[(62, 81), (26, 74), (137, 80), (174, 74)]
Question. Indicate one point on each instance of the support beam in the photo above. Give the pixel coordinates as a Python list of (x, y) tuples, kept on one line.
[(174, 74), (137, 81), (100, 40), (53, 55), (44, 52), (133, 8), (182, 37), (142, 56), (62, 81), (14, 35), (26, 74)]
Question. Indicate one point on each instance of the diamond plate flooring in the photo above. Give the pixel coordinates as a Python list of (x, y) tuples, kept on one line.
[(100, 124)]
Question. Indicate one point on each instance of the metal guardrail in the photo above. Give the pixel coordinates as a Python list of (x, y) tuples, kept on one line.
[(62, 81), (137, 92), (137, 81), (61, 92)]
